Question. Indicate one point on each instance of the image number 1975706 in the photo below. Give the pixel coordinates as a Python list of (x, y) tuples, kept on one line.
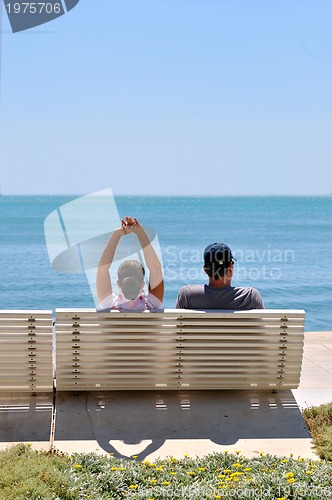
[(25, 15)]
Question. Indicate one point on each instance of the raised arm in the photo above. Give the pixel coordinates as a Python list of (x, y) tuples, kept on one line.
[(103, 282), (156, 278)]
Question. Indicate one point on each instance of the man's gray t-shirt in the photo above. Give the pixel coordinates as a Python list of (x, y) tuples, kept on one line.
[(229, 298)]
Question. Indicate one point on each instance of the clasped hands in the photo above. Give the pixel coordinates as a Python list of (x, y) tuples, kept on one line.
[(129, 224)]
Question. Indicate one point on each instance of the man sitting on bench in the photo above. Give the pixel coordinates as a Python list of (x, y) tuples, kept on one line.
[(219, 293)]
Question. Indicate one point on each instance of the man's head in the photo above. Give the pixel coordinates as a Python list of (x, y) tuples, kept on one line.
[(218, 260), (131, 278)]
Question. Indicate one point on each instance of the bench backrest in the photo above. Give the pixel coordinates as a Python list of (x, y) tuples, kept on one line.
[(26, 351), (178, 349)]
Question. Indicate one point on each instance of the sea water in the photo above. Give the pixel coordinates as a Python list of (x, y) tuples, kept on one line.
[(282, 245)]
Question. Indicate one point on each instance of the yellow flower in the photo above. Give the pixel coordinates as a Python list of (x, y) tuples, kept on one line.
[(153, 480), (191, 473), (237, 465), (166, 483), (111, 453), (77, 466), (201, 468), (284, 461), (134, 456), (247, 469), (133, 486), (289, 474), (311, 472), (236, 474), (227, 471), (292, 480), (238, 452), (160, 468), (221, 476), (172, 473), (281, 498), (186, 455), (262, 454)]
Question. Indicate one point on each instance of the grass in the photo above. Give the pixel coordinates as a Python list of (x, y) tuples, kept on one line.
[(28, 474)]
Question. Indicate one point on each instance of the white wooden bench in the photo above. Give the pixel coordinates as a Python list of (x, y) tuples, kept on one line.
[(26, 351), (178, 349)]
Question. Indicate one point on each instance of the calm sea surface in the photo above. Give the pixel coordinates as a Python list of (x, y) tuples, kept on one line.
[(283, 247)]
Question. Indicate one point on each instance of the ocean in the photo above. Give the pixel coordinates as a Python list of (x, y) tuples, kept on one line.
[(282, 245)]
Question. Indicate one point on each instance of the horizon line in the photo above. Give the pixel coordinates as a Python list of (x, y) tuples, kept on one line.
[(183, 195)]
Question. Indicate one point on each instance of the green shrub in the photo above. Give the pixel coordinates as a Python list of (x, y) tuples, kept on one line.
[(24, 473), (319, 422)]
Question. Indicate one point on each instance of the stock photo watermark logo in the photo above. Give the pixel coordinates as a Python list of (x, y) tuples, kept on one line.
[(76, 234), (183, 264), (246, 492), (25, 15)]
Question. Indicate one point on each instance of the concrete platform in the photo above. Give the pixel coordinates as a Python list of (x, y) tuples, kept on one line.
[(159, 424), (26, 419), (164, 423), (317, 361)]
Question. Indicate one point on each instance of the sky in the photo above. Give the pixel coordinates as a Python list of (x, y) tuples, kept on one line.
[(169, 97)]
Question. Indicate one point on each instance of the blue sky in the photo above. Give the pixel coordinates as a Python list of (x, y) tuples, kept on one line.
[(194, 97)]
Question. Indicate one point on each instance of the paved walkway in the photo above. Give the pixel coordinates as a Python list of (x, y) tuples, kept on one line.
[(159, 424)]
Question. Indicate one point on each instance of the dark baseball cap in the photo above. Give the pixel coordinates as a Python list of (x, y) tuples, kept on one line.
[(218, 253)]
